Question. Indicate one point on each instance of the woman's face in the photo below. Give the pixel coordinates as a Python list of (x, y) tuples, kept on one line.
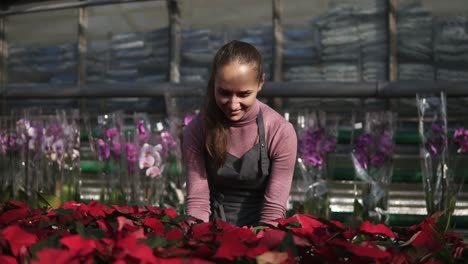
[(236, 88)]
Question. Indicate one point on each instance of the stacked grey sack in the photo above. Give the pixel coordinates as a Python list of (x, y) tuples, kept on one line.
[(97, 62), (451, 49), (198, 49), (300, 54), (261, 38), (339, 45), (139, 57), (354, 41), (415, 60), (373, 35), (29, 65)]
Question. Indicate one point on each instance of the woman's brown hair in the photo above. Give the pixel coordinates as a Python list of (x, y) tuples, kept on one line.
[(215, 122)]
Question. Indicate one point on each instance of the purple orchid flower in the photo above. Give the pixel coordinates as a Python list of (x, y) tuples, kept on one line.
[(435, 141), (143, 134), (314, 146), (167, 141), (12, 139), (54, 130), (188, 119), (460, 139), (4, 142), (367, 153), (112, 132), (116, 148), (103, 150), (132, 157)]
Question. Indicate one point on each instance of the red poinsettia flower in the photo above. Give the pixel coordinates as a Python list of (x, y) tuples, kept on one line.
[(78, 246), (7, 259), (13, 215), (171, 252), (232, 246), (174, 234), (203, 232), (156, 225), (183, 261), (18, 238), (105, 247), (54, 255), (256, 251), (271, 237), (129, 247), (378, 229), (105, 226), (170, 212)]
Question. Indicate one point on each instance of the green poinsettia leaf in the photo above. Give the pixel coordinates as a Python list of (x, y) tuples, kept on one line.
[(358, 208), (288, 244), (166, 219), (180, 218), (294, 224), (259, 228), (89, 232), (49, 200), (156, 241), (51, 242), (63, 212)]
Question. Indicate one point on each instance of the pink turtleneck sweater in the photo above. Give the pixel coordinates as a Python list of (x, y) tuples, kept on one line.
[(281, 141)]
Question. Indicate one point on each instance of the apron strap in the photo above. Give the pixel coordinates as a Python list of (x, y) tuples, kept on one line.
[(265, 162)]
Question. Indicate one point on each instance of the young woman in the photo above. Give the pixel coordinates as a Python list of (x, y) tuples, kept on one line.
[(239, 153)]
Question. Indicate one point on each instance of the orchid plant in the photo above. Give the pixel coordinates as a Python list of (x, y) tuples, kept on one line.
[(107, 142), (41, 156), (372, 158), (317, 139), (153, 146), (436, 165)]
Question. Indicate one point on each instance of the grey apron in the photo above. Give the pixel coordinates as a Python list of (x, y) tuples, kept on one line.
[(237, 188)]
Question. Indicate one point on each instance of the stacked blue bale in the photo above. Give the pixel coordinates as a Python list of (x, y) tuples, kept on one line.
[(300, 53), (97, 62), (451, 49), (262, 38), (353, 38), (30, 65), (198, 49), (141, 57), (415, 56)]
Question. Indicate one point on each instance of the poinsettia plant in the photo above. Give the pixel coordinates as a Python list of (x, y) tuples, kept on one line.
[(96, 233)]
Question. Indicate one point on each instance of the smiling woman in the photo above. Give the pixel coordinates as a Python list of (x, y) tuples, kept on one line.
[(239, 153)]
